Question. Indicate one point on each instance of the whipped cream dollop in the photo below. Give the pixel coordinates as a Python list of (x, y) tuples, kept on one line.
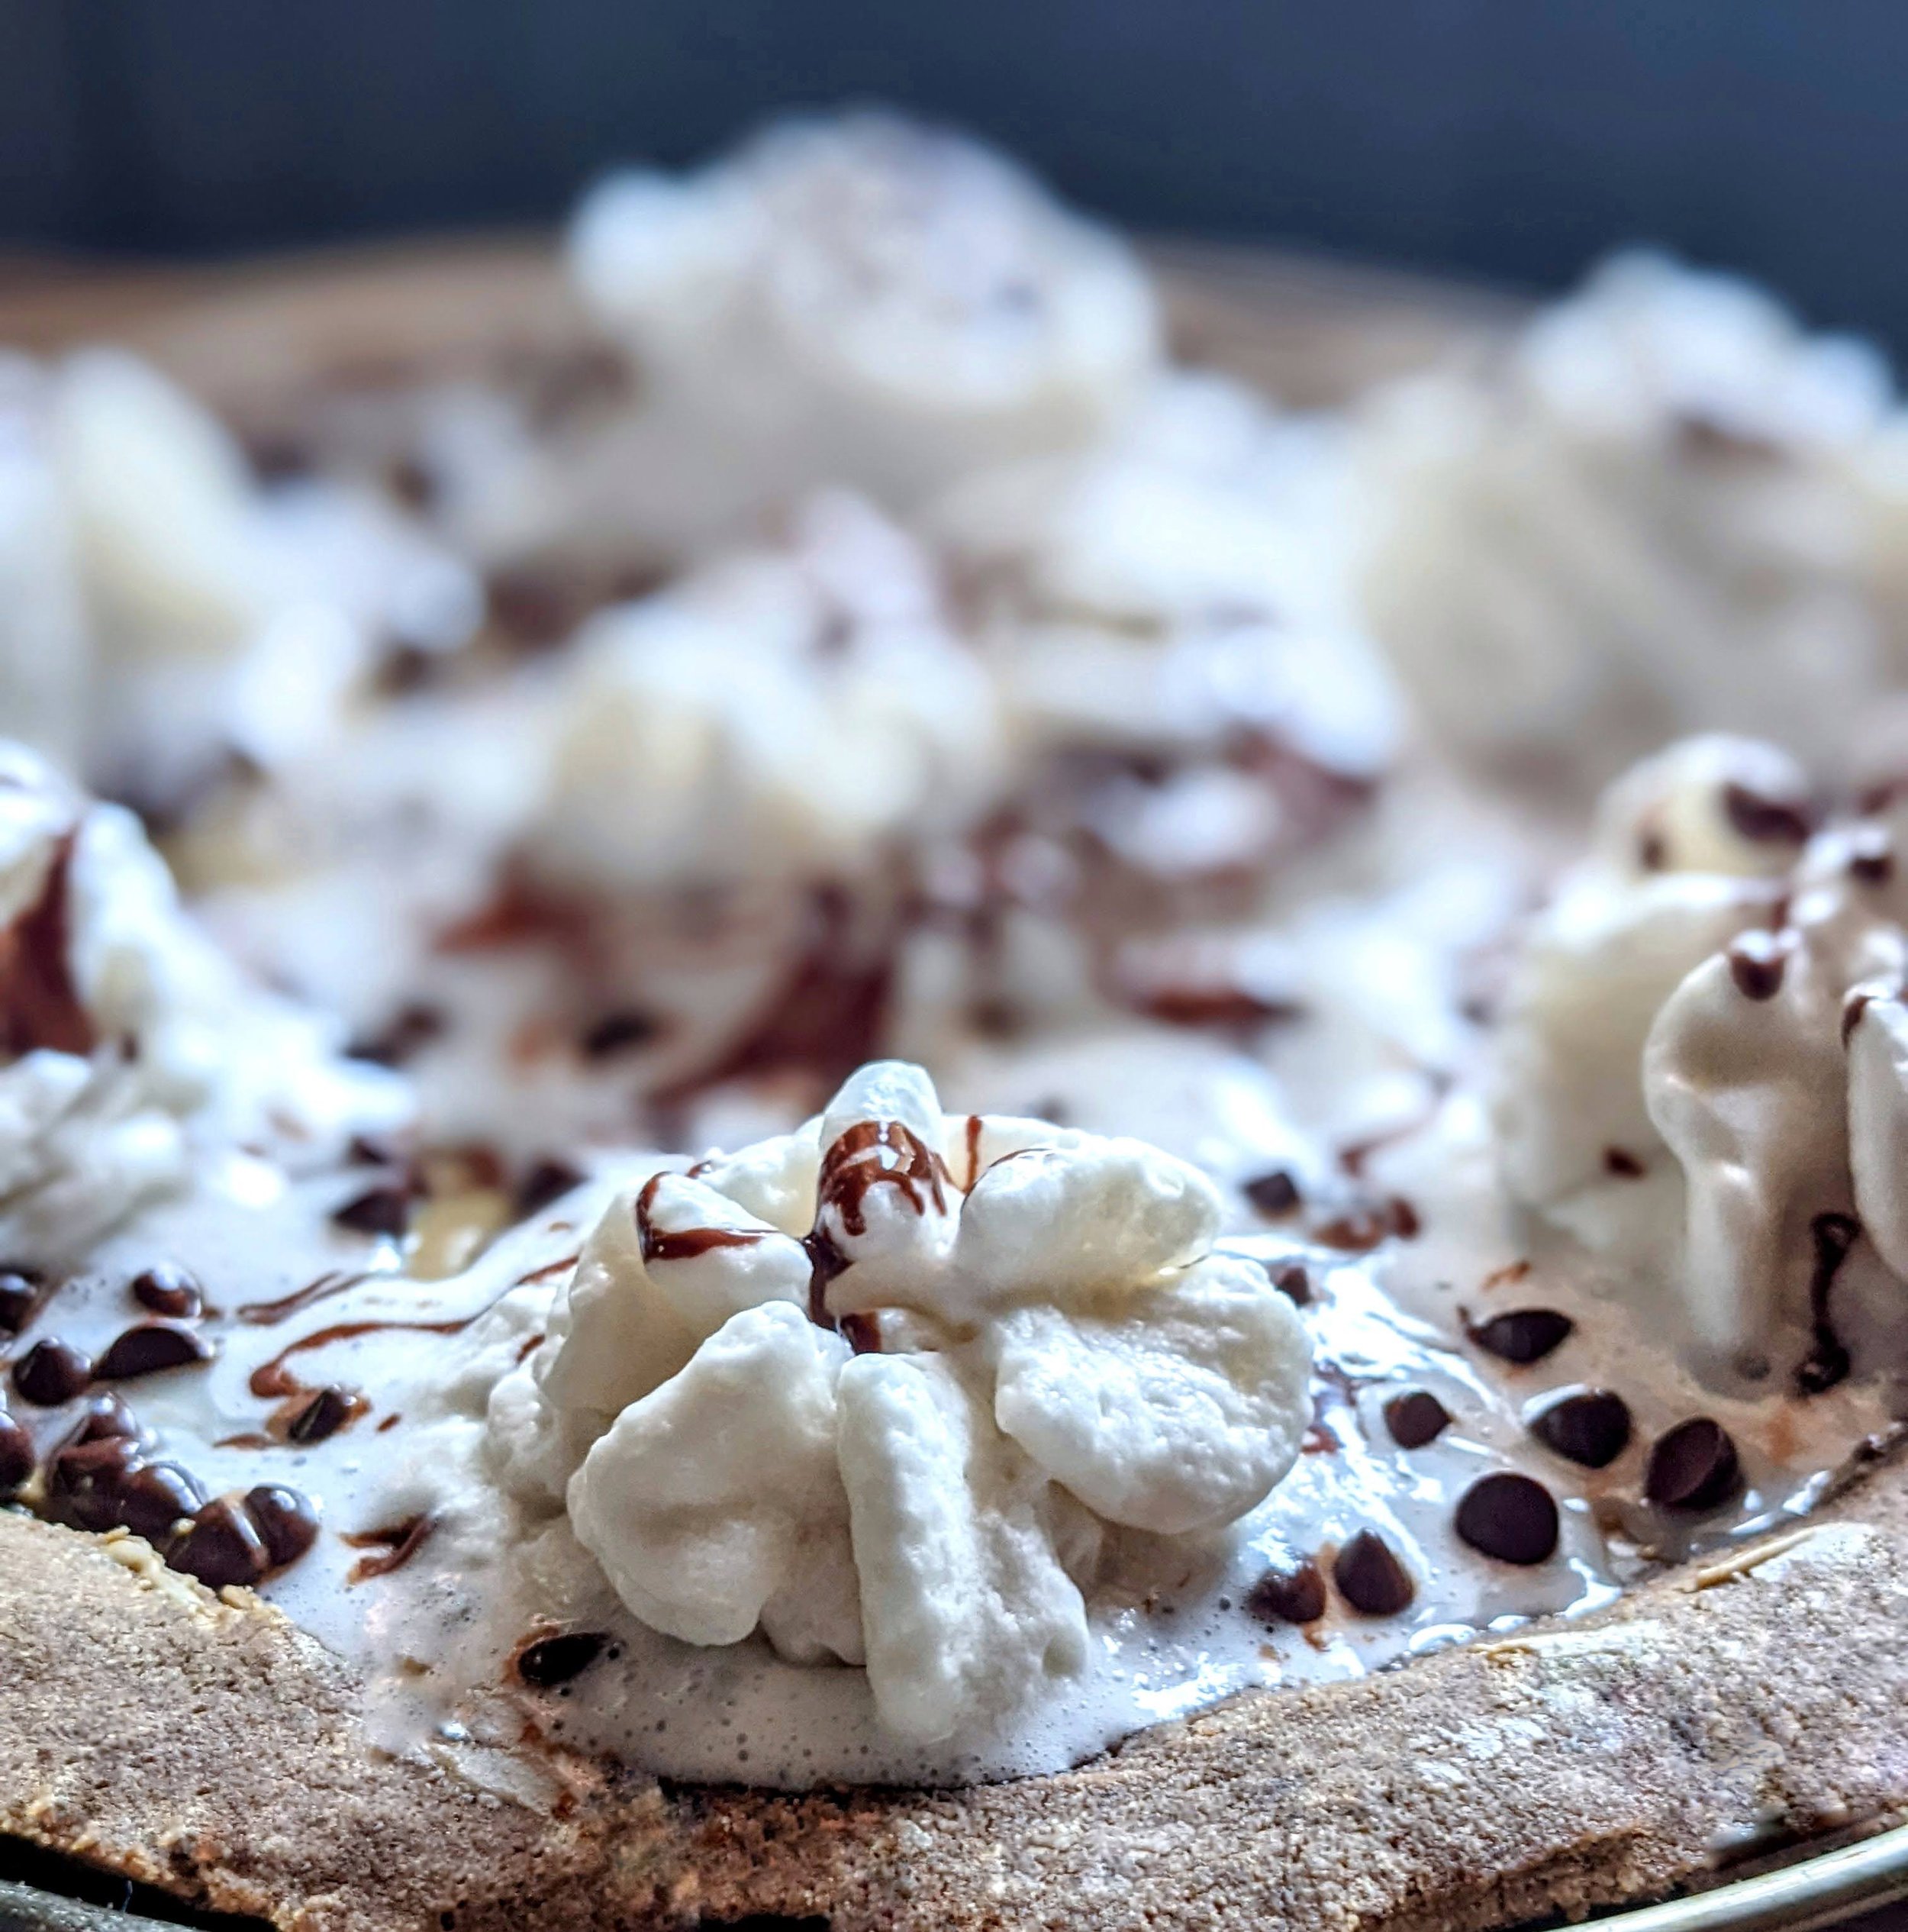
[(129, 1045), (781, 713), (879, 1388), (151, 575), (861, 301), (1655, 513), (1699, 1070)]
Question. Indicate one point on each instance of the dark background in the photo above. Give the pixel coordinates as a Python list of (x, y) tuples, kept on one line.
[(1512, 138)]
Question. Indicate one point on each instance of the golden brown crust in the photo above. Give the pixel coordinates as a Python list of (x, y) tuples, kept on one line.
[(209, 1747)]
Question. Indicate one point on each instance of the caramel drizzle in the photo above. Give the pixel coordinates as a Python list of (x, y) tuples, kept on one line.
[(264, 1314), (684, 1243), (394, 1544)]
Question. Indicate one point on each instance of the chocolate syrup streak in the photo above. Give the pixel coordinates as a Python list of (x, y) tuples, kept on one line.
[(264, 1314), (682, 1244), (396, 1543), (273, 1381), (39, 1006)]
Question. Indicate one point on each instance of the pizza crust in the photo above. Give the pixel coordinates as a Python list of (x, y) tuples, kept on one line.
[(206, 1746)]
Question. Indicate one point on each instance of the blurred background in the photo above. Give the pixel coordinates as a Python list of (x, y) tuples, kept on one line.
[(1513, 139)]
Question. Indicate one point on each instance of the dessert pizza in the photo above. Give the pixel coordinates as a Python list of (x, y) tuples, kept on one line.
[(842, 1104)]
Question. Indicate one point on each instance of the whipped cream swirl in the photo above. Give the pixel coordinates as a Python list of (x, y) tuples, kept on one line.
[(1703, 1055), (880, 1388)]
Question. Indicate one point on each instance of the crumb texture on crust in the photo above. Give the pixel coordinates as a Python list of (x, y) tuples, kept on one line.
[(206, 1746)]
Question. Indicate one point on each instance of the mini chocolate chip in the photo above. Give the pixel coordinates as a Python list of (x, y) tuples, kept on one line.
[(410, 1029), (287, 1523), (1510, 1517), (1370, 1578), (1871, 857), (1591, 1427), (148, 1347), (376, 1150), (1652, 854), (83, 1480), (1296, 1595), (378, 1210), (1620, 1162), (1416, 1417), (50, 1372), (105, 1416), (153, 1496), (1757, 963), (1693, 1466), (1766, 821), (1293, 1281), (222, 1545), (19, 1291), (16, 1453), (553, 1660), (1521, 1335), (1274, 1194), (617, 1033), (327, 1412), (548, 1182), (167, 1290)]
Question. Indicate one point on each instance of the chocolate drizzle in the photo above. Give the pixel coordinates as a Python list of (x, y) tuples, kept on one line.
[(40, 1006), (265, 1313), (825, 1261), (395, 1544), (273, 1381), (1827, 1363), (684, 1243), (879, 1153)]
